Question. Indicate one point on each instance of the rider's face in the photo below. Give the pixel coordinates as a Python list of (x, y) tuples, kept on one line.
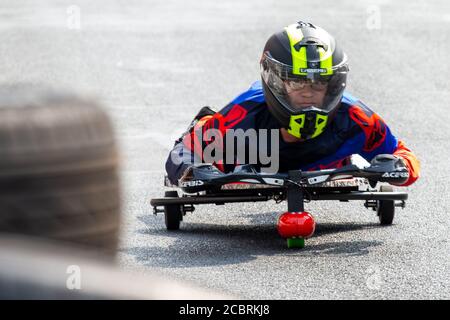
[(306, 94)]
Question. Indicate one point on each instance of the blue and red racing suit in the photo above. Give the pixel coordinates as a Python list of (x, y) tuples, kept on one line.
[(355, 129)]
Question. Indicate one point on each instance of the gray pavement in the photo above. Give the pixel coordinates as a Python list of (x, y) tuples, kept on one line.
[(155, 63)]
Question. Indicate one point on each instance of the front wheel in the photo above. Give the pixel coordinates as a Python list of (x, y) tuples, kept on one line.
[(386, 208), (172, 213)]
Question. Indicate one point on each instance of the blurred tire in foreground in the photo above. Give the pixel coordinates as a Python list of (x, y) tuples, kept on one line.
[(58, 168)]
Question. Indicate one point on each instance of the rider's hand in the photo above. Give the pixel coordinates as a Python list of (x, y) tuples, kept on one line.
[(246, 168), (192, 172), (393, 168), (388, 160)]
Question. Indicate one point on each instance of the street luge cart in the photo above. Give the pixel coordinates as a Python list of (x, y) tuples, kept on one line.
[(204, 184)]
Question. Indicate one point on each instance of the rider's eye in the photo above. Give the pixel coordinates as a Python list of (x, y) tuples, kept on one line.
[(299, 84), (320, 85), (296, 84)]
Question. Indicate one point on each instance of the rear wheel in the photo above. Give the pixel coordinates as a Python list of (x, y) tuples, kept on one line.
[(172, 213), (386, 208)]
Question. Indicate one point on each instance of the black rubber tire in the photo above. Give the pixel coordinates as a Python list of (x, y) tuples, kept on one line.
[(172, 213), (386, 208), (58, 168)]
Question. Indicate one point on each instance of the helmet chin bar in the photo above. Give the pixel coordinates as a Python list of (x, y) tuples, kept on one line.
[(307, 124)]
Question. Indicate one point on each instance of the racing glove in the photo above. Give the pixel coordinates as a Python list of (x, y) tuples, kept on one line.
[(392, 169), (199, 171)]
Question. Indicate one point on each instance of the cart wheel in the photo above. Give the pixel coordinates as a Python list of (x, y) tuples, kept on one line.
[(172, 213), (296, 242), (386, 208)]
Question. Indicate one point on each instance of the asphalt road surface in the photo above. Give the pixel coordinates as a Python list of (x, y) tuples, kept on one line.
[(155, 63)]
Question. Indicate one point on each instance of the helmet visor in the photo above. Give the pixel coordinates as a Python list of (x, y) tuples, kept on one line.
[(317, 89)]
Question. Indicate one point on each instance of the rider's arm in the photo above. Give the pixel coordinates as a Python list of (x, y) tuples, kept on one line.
[(188, 150), (410, 160), (380, 140), (205, 142), (238, 114), (180, 158)]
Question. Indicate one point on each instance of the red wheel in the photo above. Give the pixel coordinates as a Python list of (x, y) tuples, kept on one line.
[(296, 225)]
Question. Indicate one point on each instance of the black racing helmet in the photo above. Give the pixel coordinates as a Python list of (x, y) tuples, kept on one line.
[(303, 54)]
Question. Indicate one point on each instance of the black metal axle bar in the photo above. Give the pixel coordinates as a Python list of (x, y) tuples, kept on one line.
[(211, 199), (207, 200)]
